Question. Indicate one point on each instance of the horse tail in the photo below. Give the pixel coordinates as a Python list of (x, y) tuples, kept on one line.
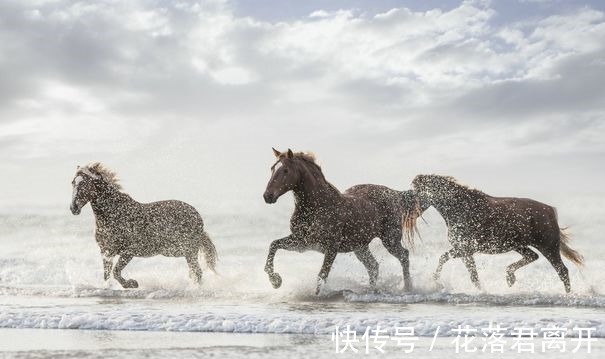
[(209, 251), (564, 238), (411, 211), (567, 251)]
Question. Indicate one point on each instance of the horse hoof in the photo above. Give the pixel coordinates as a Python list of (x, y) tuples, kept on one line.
[(131, 283), (275, 280), (320, 283), (511, 279)]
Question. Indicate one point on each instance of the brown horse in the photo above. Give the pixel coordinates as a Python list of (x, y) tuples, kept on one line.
[(330, 222), (480, 223), (130, 229)]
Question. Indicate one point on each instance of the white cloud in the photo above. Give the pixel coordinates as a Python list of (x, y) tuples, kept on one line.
[(444, 81)]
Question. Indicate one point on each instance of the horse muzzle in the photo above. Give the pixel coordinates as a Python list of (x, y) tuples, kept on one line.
[(269, 198), (75, 209)]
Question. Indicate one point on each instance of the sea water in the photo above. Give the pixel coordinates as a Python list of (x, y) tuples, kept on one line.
[(53, 300)]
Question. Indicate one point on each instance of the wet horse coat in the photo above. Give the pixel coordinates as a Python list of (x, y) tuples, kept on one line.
[(480, 223), (330, 222), (127, 228)]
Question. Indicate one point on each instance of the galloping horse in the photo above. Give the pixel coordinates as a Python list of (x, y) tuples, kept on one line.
[(330, 222), (480, 223), (130, 229)]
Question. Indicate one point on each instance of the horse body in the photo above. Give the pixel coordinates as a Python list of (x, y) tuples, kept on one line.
[(344, 222), (391, 205), (479, 223), (499, 225), (148, 229), (328, 221), (127, 228)]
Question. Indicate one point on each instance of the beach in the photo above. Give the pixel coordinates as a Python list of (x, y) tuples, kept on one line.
[(53, 300)]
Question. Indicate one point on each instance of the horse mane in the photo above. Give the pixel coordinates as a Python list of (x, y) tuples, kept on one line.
[(310, 159), (455, 183), (104, 172), (307, 156), (414, 210)]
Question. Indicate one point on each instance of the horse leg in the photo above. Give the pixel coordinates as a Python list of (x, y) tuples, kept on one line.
[(452, 253), (287, 243), (194, 267), (329, 258), (369, 261), (469, 262), (528, 257), (117, 272), (394, 247), (554, 257), (107, 265)]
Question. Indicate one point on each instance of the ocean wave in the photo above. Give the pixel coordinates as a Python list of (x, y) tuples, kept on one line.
[(317, 324), (439, 297), (529, 299), (192, 310), (95, 292)]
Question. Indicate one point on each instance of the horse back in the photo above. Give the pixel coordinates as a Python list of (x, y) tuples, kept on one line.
[(351, 220), (521, 206), (145, 229), (540, 215), (389, 202), (172, 215)]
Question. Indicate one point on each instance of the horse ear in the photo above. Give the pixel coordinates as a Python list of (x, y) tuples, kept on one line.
[(276, 152), (290, 153)]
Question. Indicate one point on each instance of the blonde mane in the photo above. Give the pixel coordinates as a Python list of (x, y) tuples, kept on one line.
[(102, 171), (307, 156), (310, 158)]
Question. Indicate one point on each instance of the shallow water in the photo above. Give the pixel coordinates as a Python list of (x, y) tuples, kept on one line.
[(51, 278), (37, 343)]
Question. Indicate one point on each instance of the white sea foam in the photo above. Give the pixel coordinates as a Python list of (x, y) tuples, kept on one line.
[(527, 299), (534, 299), (55, 259), (289, 323)]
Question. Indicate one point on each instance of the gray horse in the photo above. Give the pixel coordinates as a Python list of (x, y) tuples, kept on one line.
[(127, 228)]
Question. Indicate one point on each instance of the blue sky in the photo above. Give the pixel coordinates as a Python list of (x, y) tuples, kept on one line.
[(508, 96)]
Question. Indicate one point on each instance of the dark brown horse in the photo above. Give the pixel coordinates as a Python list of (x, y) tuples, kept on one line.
[(130, 229), (480, 223), (330, 222)]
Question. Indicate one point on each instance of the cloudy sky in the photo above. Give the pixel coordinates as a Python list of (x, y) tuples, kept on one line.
[(185, 99)]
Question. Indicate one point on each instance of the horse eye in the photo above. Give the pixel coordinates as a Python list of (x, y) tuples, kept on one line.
[(285, 170)]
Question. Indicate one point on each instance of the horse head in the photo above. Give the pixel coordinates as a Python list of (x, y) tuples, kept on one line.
[(88, 181), (83, 189), (284, 176)]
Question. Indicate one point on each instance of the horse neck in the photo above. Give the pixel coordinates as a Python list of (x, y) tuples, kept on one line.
[(460, 204), (110, 201), (313, 191)]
